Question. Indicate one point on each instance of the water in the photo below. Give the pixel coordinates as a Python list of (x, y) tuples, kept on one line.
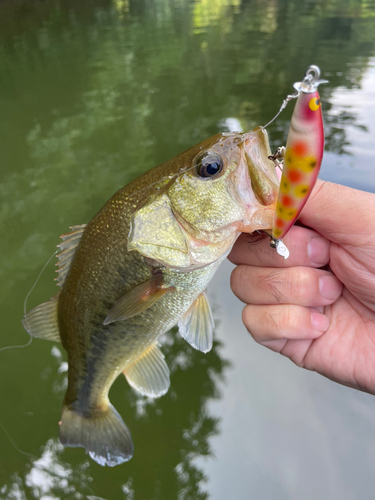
[(91, 95)]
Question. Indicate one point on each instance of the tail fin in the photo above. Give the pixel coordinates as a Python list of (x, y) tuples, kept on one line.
[(104, 435)]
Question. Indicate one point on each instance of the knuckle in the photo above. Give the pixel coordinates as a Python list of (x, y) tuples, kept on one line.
[(273, 284), (279, 320), (240, 281), (235, 279), (247, 315), (252, 317), (236, 253), (285, 320), (296, 319), (301, 283), (262, 253)]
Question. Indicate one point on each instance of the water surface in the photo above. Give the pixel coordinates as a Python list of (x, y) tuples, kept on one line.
[(94, 93)]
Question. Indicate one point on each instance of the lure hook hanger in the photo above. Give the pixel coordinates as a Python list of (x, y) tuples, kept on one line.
[(308, 85), (310, 82), (278, 157)]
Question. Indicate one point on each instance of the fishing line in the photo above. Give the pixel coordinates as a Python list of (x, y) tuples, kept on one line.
[(17, 346), (172, 176), (14, 444), (283, 106), (25, 305), (21, 347), (183, 171), (312, 73), (36, 281), (309, 83)]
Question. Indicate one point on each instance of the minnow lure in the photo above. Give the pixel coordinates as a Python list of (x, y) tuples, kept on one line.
[(302, 156)]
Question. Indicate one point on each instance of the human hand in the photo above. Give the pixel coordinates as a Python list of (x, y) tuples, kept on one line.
[(323, 320)]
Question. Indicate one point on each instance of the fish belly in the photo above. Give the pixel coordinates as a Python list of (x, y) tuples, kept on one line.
[(114, 347)]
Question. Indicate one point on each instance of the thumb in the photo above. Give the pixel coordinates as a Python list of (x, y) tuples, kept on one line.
[(341, 214)]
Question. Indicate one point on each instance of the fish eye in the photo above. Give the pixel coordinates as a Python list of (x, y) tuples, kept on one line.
[(208, 164)]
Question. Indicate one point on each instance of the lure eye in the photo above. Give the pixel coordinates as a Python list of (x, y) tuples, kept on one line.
[(314, 104), (208, 164)]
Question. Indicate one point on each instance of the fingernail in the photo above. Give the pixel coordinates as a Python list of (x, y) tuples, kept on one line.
[(329, 287), (319, 321), (318, 251)]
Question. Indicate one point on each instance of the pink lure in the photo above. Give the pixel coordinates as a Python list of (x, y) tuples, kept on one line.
[(303, 156)]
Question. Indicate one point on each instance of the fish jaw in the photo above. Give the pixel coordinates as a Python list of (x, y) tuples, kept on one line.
[(256, 182)]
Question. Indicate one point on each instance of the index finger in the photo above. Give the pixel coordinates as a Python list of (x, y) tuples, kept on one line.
[(306, 247), (344, 215)]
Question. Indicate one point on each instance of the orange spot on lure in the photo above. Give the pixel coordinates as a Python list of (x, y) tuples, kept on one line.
[(302, 158)]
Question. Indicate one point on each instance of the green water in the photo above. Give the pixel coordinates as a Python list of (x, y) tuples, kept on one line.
[(92, 94)]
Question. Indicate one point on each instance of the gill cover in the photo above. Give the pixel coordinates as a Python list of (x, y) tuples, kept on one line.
[(156, 234)]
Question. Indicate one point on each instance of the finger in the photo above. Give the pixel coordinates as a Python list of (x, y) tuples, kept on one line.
[(295, 350), (335, 211), (306, 247), (276, 322), (302, 286)]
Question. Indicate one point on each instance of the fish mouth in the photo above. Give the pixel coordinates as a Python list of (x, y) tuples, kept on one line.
[(260, 220), (260, 168), (257, 182), (264, 189)]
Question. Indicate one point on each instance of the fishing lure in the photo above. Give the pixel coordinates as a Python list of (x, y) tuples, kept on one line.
[(302, 156)]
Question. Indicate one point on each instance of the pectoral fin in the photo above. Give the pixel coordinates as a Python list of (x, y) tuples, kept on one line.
[(41, 322), (197, 325), (149, 374), (137, 300)]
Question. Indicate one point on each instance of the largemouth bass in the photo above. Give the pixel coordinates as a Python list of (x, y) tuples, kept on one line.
[(141, 266)]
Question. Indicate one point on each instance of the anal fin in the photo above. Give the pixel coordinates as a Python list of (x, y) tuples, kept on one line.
[(41, 322), (197, 324), (140, 298), (149, 374)]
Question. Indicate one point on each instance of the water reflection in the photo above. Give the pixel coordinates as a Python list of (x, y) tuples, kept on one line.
[(133, 106), (335, 124), (92, 94), (176, 429)]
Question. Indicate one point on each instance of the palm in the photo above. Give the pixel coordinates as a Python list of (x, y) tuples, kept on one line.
[(345, 352), (322, 321)]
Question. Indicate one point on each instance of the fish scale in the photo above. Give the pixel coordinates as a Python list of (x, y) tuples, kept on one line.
[(140, 267)]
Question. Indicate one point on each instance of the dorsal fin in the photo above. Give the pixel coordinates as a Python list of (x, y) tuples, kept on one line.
[(67, 250)]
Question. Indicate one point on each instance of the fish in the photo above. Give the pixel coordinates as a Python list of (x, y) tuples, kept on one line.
[(141, 266)]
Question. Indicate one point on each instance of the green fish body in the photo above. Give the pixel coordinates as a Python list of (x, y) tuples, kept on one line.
[(141, 266)]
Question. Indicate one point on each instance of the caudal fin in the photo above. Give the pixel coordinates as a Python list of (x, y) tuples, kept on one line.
[(103, 433)]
